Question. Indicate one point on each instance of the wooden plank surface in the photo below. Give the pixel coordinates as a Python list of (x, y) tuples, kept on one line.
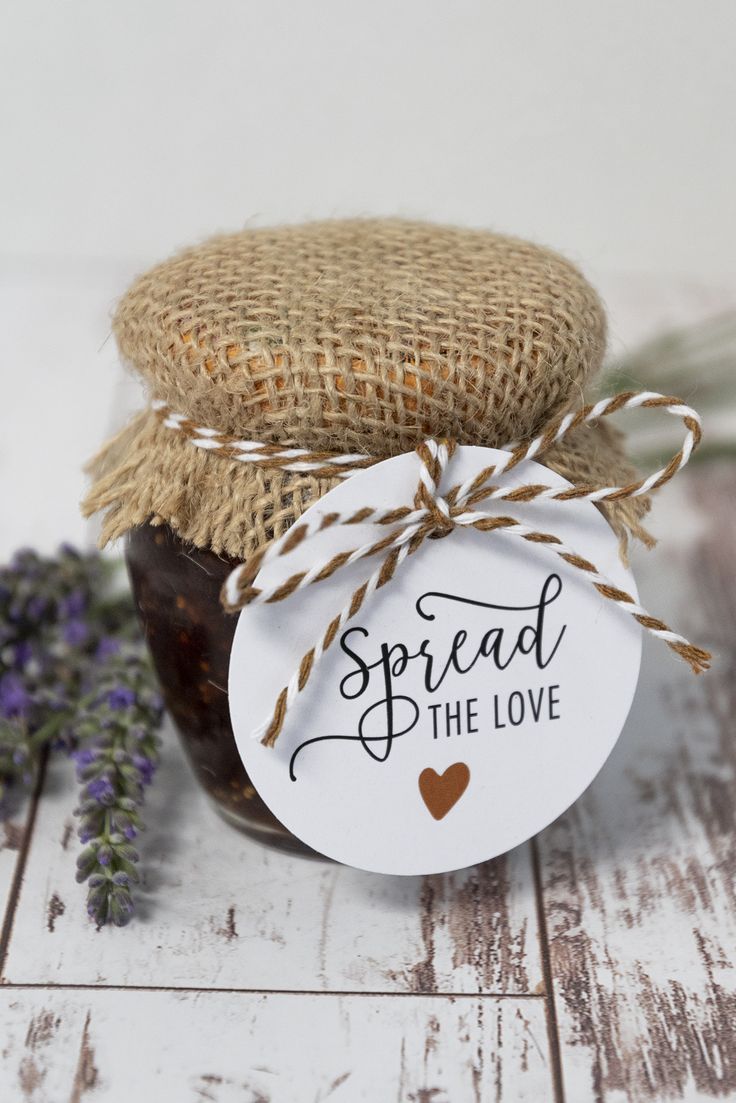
[(14, 827), (638, 901), (110, 1046), (639, 876), (220, 911)]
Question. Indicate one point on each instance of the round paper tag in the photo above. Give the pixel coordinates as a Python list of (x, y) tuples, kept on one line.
[(469, 702)]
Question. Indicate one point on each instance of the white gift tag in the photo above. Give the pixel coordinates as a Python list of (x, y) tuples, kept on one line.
[(469, 702)]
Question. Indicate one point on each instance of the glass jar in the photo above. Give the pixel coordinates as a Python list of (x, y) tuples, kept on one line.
[(363, 336), (177, 590)]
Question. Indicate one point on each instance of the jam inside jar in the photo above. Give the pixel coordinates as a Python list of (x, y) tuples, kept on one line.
[(176, 587)]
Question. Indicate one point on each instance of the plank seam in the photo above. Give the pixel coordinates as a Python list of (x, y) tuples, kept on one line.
[(553, 1034), (52, 986)]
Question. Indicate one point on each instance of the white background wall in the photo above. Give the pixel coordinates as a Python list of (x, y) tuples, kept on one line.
[(605, 129), (128, 129)]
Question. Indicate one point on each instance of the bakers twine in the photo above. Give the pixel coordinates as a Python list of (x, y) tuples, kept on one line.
[(432, 514)]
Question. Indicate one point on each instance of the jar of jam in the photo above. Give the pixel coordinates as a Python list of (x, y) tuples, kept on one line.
[(360, 336)]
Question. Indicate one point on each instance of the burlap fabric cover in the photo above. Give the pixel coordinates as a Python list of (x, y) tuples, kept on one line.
[(359, 336)]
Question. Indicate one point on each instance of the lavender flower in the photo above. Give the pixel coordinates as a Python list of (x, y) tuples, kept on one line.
[(121, 697), (100, 789), (74, 675), (14, 697), (74, 605), (75, 633), (115, 763), (107, 646)]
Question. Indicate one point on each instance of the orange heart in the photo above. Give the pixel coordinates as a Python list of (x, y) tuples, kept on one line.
[(441, 792)]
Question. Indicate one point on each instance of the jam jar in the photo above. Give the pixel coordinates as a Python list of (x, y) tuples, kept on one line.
[(359, 336)]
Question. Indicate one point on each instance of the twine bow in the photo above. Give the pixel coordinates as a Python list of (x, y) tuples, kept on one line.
[(433, 514)]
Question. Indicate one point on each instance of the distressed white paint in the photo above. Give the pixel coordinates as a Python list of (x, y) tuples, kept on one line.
[(226, 1047), (295, 923), (639, 886), (12, 832)]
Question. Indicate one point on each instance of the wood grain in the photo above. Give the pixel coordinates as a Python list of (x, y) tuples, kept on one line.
[(220, 911), (639, 876), (638, 933), (12, 834), (109, 1046), (16, 826)]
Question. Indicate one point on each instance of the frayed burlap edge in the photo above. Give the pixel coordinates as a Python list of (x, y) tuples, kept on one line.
[(148, 474)]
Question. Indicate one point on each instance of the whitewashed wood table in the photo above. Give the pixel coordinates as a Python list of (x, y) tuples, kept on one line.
[(596, 963)]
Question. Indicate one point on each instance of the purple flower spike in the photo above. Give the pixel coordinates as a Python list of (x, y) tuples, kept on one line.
[(121, 697), (75, 675), (101, 790), (75, 633), (14, 698), (36, 608), (84, 757), (22, 652), (106, 648), (73, 605), (145, 767)]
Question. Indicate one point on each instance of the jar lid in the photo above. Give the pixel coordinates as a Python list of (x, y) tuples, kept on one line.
[(364, 335), (357, 336)]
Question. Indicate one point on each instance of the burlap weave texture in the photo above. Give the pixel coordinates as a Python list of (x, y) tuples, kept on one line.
[(359, 336)]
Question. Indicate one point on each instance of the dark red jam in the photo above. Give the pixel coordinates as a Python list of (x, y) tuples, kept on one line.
[(177, 591)]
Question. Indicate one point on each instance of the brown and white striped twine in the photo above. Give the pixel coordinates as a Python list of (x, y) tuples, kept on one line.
[(432, 515)]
